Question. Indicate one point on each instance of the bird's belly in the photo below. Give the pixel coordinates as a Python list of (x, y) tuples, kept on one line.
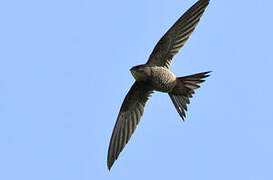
[(162, 79)]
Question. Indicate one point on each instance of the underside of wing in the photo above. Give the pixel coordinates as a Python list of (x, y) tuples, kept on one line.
[(130, 113), (177, 35)]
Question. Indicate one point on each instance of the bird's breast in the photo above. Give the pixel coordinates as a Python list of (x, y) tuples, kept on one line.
[(162, 79)]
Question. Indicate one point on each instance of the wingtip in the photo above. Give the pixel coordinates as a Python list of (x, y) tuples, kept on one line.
[(110, 162), (182, 115), (109, 166), (208, 73)]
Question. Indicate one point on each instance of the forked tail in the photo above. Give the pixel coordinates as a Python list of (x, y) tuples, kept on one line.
[(184, 89)]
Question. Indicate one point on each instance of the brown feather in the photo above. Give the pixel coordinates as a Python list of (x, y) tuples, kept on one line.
[(130, 113), (177, 35)]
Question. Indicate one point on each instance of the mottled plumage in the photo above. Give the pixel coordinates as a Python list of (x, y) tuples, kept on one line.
[(155, 76)]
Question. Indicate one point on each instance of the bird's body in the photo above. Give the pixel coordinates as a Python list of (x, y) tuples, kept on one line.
[(156, 76), (162, 79)]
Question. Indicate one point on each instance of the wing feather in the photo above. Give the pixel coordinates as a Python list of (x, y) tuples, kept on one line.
[(130, 113), (170, 44)]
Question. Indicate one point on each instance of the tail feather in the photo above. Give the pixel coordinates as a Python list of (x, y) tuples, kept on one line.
[(184, 89)]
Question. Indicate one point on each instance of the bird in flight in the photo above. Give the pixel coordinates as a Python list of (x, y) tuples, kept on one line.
[(156, 76)]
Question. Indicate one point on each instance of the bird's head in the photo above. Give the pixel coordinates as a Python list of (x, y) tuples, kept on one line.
[(141, 72)]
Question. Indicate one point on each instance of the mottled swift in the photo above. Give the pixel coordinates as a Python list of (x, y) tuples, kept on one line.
[(156, 76)]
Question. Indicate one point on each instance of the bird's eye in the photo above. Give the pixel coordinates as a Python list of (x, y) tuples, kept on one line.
[(141, 69)]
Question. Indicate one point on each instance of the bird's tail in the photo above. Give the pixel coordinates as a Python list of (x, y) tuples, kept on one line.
[(184, 89)]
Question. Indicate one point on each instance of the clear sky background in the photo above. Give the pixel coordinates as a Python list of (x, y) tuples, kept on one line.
[(64, 71)]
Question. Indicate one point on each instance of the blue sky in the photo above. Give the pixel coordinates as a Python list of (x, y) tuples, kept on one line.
[(64, 71)]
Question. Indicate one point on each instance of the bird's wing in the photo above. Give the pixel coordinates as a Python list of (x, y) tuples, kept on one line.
[(130, 113), (177, 35)]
